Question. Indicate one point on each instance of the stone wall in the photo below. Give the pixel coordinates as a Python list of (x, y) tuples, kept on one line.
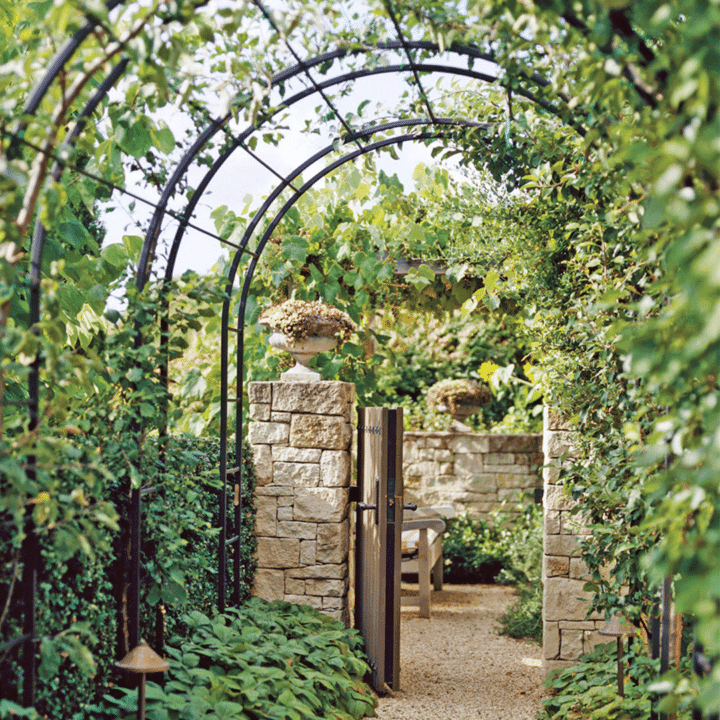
[(567, 633), (301, 435), (471, 472)]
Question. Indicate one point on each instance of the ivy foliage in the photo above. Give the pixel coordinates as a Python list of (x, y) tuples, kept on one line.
[(264, 660)]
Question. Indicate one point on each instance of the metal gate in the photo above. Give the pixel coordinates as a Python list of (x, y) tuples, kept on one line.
[(378, 552)]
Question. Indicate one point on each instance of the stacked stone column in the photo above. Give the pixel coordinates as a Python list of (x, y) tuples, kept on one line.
[(301, 435), (567, 632)]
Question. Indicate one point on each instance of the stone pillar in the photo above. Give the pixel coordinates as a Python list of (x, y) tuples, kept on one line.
[(301, 434), (567, 632)]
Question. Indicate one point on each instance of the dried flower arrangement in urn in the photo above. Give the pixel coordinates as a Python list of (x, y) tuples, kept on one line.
[(304, 328), (460, 399)]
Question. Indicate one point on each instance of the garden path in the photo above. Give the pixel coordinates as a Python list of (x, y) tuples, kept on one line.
[(457, 666)]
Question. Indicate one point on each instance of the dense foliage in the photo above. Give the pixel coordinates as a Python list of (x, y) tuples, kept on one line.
[(264, 661), (588, 689), (79, 599), (609, 246)]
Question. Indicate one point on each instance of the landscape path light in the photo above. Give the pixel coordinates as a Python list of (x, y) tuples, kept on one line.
[(142, 659), (618, 629)]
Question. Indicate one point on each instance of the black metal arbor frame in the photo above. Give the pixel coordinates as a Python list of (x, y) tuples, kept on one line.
[(352, 144)]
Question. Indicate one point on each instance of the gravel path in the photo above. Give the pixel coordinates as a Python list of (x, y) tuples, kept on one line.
[(456, 666)]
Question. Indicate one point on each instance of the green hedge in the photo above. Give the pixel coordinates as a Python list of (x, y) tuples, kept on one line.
[(79, 598)]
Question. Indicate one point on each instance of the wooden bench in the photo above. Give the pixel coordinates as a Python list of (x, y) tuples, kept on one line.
[(422, 539)]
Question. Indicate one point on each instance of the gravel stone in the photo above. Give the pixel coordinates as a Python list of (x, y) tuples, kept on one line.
[(456, 665)]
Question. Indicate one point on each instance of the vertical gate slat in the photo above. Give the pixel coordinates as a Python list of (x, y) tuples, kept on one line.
[(379, 521)]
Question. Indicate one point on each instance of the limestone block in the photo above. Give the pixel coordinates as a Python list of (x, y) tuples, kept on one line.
[(269, 584), (283, 453), (266, 516), (578, 569), (591, 639), (285, 500), (443, 456), (411, 451), (513, 494), (333, 603), (282, 417), (294, 586), (499, 459), (446, 470), (536, 459), (336, 615), (555, 498), (299, 530), (575, 524), (564, 599), (483, 482), (335, 468), (469, 464), (278, 552), (321, 504), (320, 431), (556, 566), (551, 473), (559, 442), (260, 392), (514, 443), (551, 641), (296, 474), (262, 457), (333, 542), (323, 398), (259, 411), (507, 480), (561, 545), (332, 588), (436, 442), (273, 490), (552, 420), (313, 602), (506, 469), (322, 572), (422, 469), (552, 522), (426, 455), (268, 433), (571, 644), (469, 443), (308, 552), (286, 513), (576, 624)]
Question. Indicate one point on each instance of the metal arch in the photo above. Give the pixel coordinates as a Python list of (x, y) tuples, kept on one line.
[(240, 139), (217, 125), (362, 150)]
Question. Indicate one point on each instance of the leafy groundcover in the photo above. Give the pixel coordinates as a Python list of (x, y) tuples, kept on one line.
[(273, 661)]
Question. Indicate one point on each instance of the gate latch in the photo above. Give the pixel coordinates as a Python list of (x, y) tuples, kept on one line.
[(373, 506)]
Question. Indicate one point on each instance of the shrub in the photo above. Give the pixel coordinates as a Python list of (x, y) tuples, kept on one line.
[(587, 690), (472, 550), (263, 661)]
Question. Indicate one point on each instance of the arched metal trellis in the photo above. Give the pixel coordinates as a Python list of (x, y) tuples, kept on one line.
[(354, 143)]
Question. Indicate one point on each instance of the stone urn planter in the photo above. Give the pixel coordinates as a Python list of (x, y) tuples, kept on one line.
[(303, 329), (460, 399)]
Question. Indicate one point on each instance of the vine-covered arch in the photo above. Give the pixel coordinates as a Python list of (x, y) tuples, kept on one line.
[(366, 139)]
